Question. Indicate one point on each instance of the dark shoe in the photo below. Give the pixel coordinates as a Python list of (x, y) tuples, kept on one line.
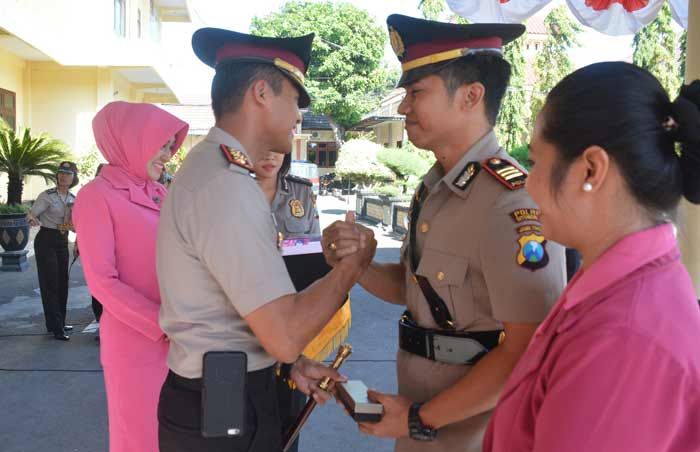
[(68, 328), (61, 336)]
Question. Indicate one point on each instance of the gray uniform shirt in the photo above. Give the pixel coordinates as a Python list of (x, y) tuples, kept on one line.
[(294, 207), (52, 208), (217, 259)]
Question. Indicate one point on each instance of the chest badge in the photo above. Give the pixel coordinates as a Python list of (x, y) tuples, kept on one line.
[(296, 208), (532, 253)]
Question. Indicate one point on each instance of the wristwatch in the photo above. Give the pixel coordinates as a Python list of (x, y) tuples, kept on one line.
[(417, 429)]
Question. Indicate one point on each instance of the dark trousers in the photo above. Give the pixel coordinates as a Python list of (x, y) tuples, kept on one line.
[(51, 249), (179, 417), (291, 402), (96, 309)]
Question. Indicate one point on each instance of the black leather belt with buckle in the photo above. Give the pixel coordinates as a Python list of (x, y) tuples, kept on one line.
[(446, 346)]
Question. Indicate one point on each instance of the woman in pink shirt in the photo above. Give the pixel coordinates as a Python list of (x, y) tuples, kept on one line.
[(116, 219), (616, 364)]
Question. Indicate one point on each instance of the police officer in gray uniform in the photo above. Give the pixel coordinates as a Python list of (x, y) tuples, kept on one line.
[(52, 212), (224, 285), (292, 199)]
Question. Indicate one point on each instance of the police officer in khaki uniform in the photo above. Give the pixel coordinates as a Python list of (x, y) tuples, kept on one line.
[(223, 282), (52, 211), (476, 273)]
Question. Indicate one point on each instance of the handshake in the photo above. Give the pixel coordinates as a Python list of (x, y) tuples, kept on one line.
[(348, 243)]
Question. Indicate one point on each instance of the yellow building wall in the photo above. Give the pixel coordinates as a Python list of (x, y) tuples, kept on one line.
[(12, 72)]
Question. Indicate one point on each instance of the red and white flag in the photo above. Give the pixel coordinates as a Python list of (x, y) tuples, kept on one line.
[(613, 17)]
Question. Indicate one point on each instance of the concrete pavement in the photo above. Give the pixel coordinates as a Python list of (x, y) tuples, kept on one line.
[(52, 392)]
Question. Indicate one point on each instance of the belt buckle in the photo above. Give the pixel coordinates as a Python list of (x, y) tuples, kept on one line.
[(455, 350)]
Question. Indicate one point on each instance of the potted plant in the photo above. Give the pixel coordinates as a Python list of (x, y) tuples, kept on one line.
[(22, 155), (14, 228)]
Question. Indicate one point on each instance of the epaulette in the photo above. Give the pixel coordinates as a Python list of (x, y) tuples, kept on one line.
[(298, 180), (506, 173), (51, 191), (236, 157)]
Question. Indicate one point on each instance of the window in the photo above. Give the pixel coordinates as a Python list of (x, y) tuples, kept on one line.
[(8, 111), (120, 17)]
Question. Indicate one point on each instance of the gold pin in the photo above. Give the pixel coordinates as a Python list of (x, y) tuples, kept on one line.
[(424, 227)]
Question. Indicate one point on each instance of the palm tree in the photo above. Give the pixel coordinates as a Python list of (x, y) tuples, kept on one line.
[(23, 155)]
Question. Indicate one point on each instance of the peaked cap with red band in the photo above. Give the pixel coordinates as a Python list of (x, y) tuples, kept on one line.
[(418, 43), (289, 55)]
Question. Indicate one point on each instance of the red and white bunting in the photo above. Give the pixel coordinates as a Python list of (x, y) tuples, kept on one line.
[(613, 17)]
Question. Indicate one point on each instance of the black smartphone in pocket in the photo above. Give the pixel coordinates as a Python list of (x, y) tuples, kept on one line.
[(224, 394)]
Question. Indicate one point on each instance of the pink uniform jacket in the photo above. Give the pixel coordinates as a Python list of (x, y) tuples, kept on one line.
[(616, 364), (116, 219)]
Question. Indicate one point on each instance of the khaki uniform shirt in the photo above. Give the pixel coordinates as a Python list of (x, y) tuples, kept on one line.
[(217, 259), (294, 207), (470, 242), (52, 209)]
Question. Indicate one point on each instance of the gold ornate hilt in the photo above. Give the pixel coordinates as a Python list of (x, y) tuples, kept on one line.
[(344, 351)]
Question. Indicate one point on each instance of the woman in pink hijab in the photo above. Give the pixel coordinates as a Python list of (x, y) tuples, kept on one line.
[(116, 219)]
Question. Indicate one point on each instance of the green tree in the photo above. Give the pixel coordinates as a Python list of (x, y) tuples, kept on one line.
[(512, 125), (432, 9), (358, 163), (174, 163), (655, 49), (88, 163), (346, 76), (22, 155), (684, 51), (406, 164), (553, 62)]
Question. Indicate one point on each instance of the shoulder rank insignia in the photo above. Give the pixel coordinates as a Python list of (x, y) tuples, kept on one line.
[(296, 208), (298, 180), (506, 173), (237, 158), (51, 191), (467, 175), (532, 253)]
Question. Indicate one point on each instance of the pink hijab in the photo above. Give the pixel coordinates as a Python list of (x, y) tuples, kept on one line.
[(129, 135)]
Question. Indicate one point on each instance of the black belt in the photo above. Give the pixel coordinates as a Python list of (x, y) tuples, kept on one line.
[(449, 347)]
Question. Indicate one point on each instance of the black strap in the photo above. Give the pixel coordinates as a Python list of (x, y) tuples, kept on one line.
[(438, 308)]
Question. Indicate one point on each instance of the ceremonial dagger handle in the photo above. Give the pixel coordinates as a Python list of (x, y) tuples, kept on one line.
[(291, 435)]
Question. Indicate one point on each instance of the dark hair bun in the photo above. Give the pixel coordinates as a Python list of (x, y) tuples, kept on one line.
[(686, 112)]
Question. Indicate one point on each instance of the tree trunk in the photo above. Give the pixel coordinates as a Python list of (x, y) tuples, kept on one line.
[(14, 189)]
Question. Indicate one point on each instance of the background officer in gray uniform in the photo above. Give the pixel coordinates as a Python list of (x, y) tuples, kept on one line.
[(475, 264), (291, 198), (223, 282), (52, 211)]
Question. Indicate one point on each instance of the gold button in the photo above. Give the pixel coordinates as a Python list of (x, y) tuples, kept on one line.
[(440, 276), (424, 227), (414, 279)]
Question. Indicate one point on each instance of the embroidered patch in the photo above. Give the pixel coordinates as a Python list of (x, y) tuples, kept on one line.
[(529, 228), (521, 215), (236, 157), (506, 173), (467, 175), (296, 208), (532, 253)]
